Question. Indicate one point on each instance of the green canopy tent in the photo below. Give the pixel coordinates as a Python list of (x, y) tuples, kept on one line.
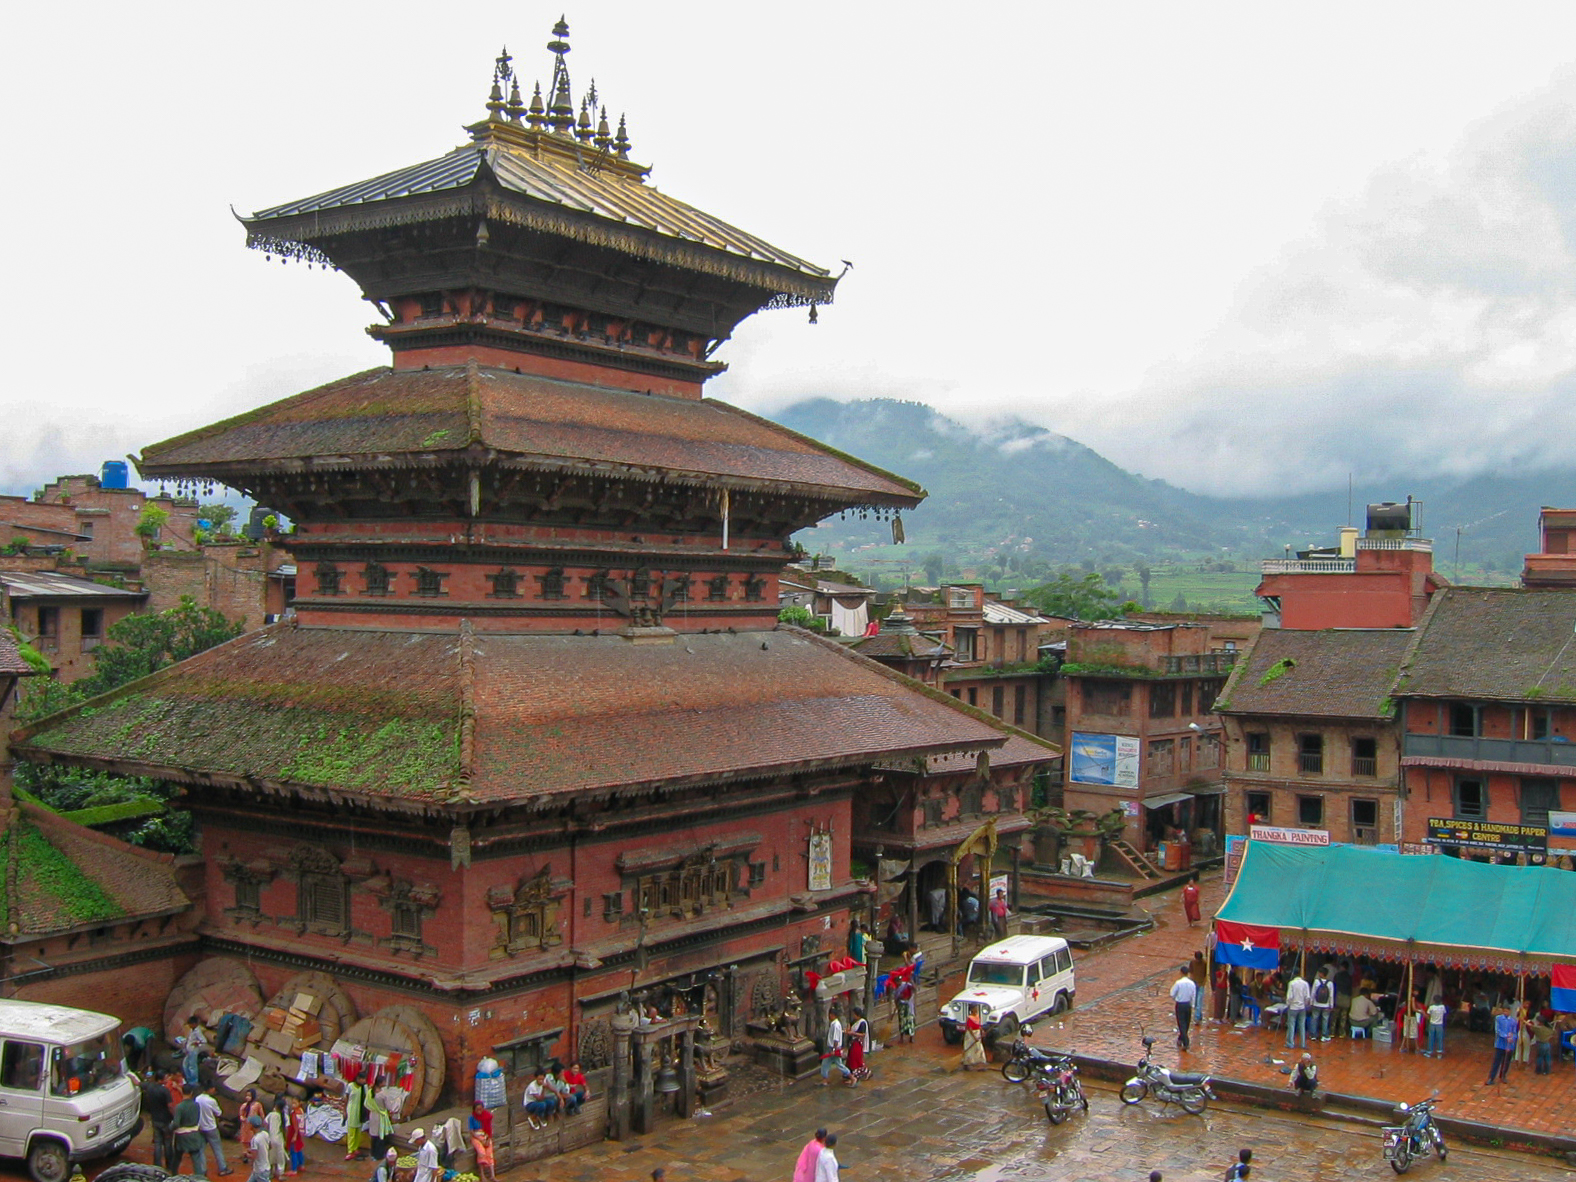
[(1431, 909)]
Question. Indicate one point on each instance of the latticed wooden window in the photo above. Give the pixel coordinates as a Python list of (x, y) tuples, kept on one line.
[(248, 895), (376, 577), (681, 589), (407, 921), (597, 585), (552, 583), (754, 588), (717, 589), (328, 577), (525, 927), (505, 584), (640, 585), (429, 583), (322, 902)]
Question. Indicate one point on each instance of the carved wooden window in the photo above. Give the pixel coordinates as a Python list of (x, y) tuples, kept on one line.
[(640, 585), (681, 589), (429, 583), (717, 589), (376, 576), (933, 811), (504, 305), (407, 921), (973, 800), (505, 584), (431, 303), (322, 903), (691, 889), (552, 583), (248, 896), (755, 588), (528, 916), (525, 928), (757, 873), (597, 586), (328, 577), (612, 905)]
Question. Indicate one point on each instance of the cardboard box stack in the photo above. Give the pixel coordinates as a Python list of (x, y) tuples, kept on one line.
[(276, 1043)]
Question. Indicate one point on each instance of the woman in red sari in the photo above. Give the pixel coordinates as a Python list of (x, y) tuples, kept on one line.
[(858, 1043)]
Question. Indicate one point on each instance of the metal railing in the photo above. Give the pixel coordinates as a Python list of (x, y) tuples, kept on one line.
[(1307, 566), (1201, 663), (1310, 763), (1425, 545)]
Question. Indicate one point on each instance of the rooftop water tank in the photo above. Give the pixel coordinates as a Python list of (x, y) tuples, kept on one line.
[(113, 474)]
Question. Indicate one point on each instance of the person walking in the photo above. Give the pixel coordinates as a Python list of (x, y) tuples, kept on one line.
[(1436, 1029), (1506, 1031), (858, 1045), (1242, 1167), (905, 998), (1190, 903), (188, 1137), (426, 1155), (826, 1164), (1183, 994), (832, 1057), (295, 1137), (1298, 996), (208, 1125), (804, 1168), (1322, 999), (998, 914), (258, 1143)]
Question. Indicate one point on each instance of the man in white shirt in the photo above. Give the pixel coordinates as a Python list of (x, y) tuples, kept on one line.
[(426, 1157), (1184, 993), (208, 1126), (833, 1055), (826, 1163), (1298, 996), (262, 1167)]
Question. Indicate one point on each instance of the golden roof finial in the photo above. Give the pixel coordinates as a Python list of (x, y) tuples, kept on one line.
[(604, 138), (516, 106), (561, 103), (502, 72), (535, 114), (583, 131), (621, 143)]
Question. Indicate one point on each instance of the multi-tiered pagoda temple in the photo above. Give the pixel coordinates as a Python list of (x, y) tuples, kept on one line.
[(533, 737)]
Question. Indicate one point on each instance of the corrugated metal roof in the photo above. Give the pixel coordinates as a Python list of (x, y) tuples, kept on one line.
[(608, 194), (45, 584), (1000, 613)]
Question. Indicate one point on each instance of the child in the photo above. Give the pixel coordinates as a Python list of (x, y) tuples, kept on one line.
[(481, 1142), (295, 1136)]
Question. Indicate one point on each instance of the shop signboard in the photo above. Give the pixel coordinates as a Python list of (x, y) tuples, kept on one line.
[(1488, 835), (1562, 831), (1279, 835), (1109, 760), (1236, 846)]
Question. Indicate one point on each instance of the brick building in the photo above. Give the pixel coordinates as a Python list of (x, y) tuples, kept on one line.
[(532, 740), (1383, 578), (35, 526), (1313, 740), (994, 661), (106, 518), (1554, 566), (1141, 734), (62, 616), (1487, 695)]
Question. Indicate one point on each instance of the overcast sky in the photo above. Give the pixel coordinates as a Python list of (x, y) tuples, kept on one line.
[(1245, 247)]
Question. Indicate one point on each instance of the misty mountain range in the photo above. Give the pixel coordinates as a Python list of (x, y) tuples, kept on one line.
[(1044, 494)]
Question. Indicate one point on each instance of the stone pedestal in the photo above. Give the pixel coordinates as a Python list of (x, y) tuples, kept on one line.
[(710, 1052), (794, 1058)]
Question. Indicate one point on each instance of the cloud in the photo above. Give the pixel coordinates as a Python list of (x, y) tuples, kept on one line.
[(1426, 327)]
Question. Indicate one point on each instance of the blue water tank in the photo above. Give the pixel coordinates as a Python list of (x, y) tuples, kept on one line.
[(113, 474)]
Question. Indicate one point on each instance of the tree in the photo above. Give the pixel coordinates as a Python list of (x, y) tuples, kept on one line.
[(149, 522), (217, 515), (1085, 598), (1141, 569), (799, 617), (935, 563), (143, 644), (1179, 604)]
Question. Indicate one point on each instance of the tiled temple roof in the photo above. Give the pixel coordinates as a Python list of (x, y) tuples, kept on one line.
[(1336, 673)]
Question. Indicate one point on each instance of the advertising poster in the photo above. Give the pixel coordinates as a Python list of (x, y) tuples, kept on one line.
[(1236, 846), (1562, 831), (1108, 760)]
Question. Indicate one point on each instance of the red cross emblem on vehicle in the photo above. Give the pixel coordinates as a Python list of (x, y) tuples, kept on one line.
[(1035, 993)]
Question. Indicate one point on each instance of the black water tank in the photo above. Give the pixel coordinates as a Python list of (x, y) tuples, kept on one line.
[(1389, 516)]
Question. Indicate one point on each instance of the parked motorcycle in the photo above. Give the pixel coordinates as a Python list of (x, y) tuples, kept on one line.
[(1190, 1090), (1059, 1090), (1024, 1060), (1413, 1137)]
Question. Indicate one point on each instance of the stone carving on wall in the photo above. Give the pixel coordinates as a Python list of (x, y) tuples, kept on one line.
[(527, 917), (596, 1044)]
